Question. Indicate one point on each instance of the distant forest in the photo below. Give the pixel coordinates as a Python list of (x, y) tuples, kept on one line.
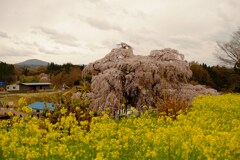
[(220, 78), (66, 74), (7, 72)]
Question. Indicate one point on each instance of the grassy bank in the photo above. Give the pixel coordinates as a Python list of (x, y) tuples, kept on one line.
[(12, 99)]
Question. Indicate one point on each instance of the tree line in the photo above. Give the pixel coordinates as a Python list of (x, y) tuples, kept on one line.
[(221, 78), (66, 74), (7, 73)]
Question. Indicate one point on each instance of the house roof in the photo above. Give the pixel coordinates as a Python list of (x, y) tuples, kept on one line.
[(37, 84), (41, 105)]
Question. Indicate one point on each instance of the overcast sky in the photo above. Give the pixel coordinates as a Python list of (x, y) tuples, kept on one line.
[(82, 31)]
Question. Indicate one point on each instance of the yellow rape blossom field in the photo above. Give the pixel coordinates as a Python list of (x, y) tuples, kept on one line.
[(210, 130)]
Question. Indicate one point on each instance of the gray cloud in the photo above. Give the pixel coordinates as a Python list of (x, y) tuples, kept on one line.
[(94, 47), (6, 51), (144, 40), (133, 13), (4, 35), (34, 46), (220, 36), (29, 45), (58, 53), (102, 24), (110, 43), (61, 38), (185, 42), (46, 51)]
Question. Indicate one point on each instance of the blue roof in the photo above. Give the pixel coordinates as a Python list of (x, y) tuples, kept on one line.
[(41, 105)]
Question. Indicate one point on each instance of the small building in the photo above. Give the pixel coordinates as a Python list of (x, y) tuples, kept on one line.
[(13, 87), (34, 86), (40, 106)]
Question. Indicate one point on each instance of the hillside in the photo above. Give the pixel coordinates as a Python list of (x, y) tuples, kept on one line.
[(32, 63)]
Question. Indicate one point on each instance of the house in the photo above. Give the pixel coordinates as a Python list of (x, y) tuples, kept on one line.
[(13, 87), (40, 106), (34, 86), (24, 87)]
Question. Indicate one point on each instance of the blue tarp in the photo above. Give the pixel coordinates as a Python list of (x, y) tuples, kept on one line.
[(41, 106), (2, 84)]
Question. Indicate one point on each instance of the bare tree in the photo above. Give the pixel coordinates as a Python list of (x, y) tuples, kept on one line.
[(229, 52), (124, 45)]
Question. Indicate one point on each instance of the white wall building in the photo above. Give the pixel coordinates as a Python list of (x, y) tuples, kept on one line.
[(13, 87)]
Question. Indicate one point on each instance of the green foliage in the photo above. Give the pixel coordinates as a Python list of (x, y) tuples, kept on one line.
[(7, 73), (28, 79), (88, 78), (74, 100), (52, 68), (200, 74), (67, 67), (66, 74), (25, 71), (69, 79), (84, 87), (221, 78)]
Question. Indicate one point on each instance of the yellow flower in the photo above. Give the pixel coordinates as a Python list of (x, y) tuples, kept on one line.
[(10, 113), (63, 110)]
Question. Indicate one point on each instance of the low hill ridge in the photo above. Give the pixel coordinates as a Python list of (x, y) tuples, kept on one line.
[(33, 62)]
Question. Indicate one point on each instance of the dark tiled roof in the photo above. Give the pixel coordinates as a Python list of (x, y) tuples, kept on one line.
[(36, 84)]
